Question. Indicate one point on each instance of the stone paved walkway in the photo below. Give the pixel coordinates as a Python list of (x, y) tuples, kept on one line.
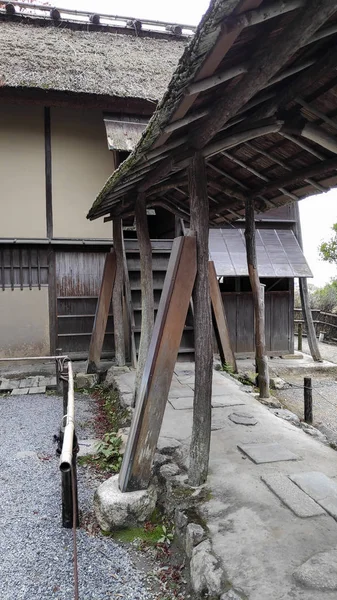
[(272, 508)]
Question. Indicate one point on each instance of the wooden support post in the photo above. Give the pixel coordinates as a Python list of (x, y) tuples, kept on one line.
[(117, 305), (258, 301), (202, 408), (220, 321), (299, 336), (102, 312), (308, 417), (145, 253), (129, 310), (157, 376), (304, 293)]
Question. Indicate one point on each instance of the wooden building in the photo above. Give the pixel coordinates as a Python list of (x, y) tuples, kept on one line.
[(73, 92)]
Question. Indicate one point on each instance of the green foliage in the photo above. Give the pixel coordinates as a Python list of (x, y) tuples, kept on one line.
[(328, 250), (167, 536), (227, 368), (325, 298), (108, 453)]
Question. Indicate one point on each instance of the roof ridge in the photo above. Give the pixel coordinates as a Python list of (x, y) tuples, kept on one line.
[(58, 14)]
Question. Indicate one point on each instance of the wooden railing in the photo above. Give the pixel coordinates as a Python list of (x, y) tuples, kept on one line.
[(324, 323)]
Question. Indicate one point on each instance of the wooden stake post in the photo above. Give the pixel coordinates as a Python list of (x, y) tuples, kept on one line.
[(202, 408), (258, 300), (102, 312), (145, 254), (220, 321), (117, 305), (159, 367)]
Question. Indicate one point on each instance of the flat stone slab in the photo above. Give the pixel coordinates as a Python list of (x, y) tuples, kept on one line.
[(242, 419), (37, 390), (181, 403), (87, 447), (292, 496), (19, 392), (7, 385), (267, 452), (181, 391), (224, 401), (319, 572), (320, 488)]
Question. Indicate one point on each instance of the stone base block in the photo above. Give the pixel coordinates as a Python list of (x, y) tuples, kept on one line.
[(115, 509)]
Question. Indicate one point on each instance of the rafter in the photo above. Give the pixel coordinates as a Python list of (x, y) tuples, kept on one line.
[(264, 65)]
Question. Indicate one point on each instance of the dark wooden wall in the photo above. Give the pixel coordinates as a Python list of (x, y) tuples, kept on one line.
[(279, 315)]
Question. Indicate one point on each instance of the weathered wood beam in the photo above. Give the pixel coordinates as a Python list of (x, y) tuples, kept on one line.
[(145, 254), (117, 295), (153, 393), (270, 156), (305, 300), (319, 136), (201, 431), (258, 301), (102, 312), (317, 113), (240, 138), (220, 321), (156, 175), (312, 171), (302, 145), (185, 121), (269, 59), (129, 310)]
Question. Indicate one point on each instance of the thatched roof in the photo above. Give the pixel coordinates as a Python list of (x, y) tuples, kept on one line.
[(93, 62), (255, 93)]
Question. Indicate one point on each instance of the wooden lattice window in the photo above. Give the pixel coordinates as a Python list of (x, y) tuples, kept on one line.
[(23, 267)]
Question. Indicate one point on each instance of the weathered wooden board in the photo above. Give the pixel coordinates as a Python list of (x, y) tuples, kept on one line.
[(102, 312), (145, 429), (220, 320)]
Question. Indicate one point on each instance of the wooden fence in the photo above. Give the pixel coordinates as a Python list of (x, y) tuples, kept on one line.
[(324, 323)]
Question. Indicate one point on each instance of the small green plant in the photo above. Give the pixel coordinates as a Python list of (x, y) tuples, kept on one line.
[(227, 368), (108, 452), (167, 536)]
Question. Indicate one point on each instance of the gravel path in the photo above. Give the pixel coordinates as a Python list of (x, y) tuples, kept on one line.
[(36, 552)]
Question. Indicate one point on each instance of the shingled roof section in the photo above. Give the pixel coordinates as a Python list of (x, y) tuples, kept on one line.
[(92, 62)]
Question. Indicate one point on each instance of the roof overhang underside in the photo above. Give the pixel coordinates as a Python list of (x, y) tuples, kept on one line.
[(255, 94), (278, 253)]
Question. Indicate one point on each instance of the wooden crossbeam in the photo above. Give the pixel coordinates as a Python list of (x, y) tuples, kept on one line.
[(220, 321), (158, 372), (102, 312), (264, 65)]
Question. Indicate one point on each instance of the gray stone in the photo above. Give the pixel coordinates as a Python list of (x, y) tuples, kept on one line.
[(37, 390), (169, 470), (87, 447), (159, 460), (319, 572), (126, 399), (181, 519), (320, 488), (276, 383), (182, 403), (291, 495), (180, 391), (7, 385), (242, 418), (194, 535), (115, 509), (231, 595), (314, 433), (287, 415), (85, 380), (167, 445), (267, 452), (19, 391), (125, 383), (271, 402), (206, 574)]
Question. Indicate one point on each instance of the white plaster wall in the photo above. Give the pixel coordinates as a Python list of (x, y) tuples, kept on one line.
[(24, 322)]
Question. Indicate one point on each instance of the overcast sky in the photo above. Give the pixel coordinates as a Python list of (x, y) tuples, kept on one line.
[(317, 213)]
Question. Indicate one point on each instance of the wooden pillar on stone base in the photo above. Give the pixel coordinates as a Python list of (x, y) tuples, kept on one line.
[(258, 301), (146, 275), (199, 226), (117, 296)]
